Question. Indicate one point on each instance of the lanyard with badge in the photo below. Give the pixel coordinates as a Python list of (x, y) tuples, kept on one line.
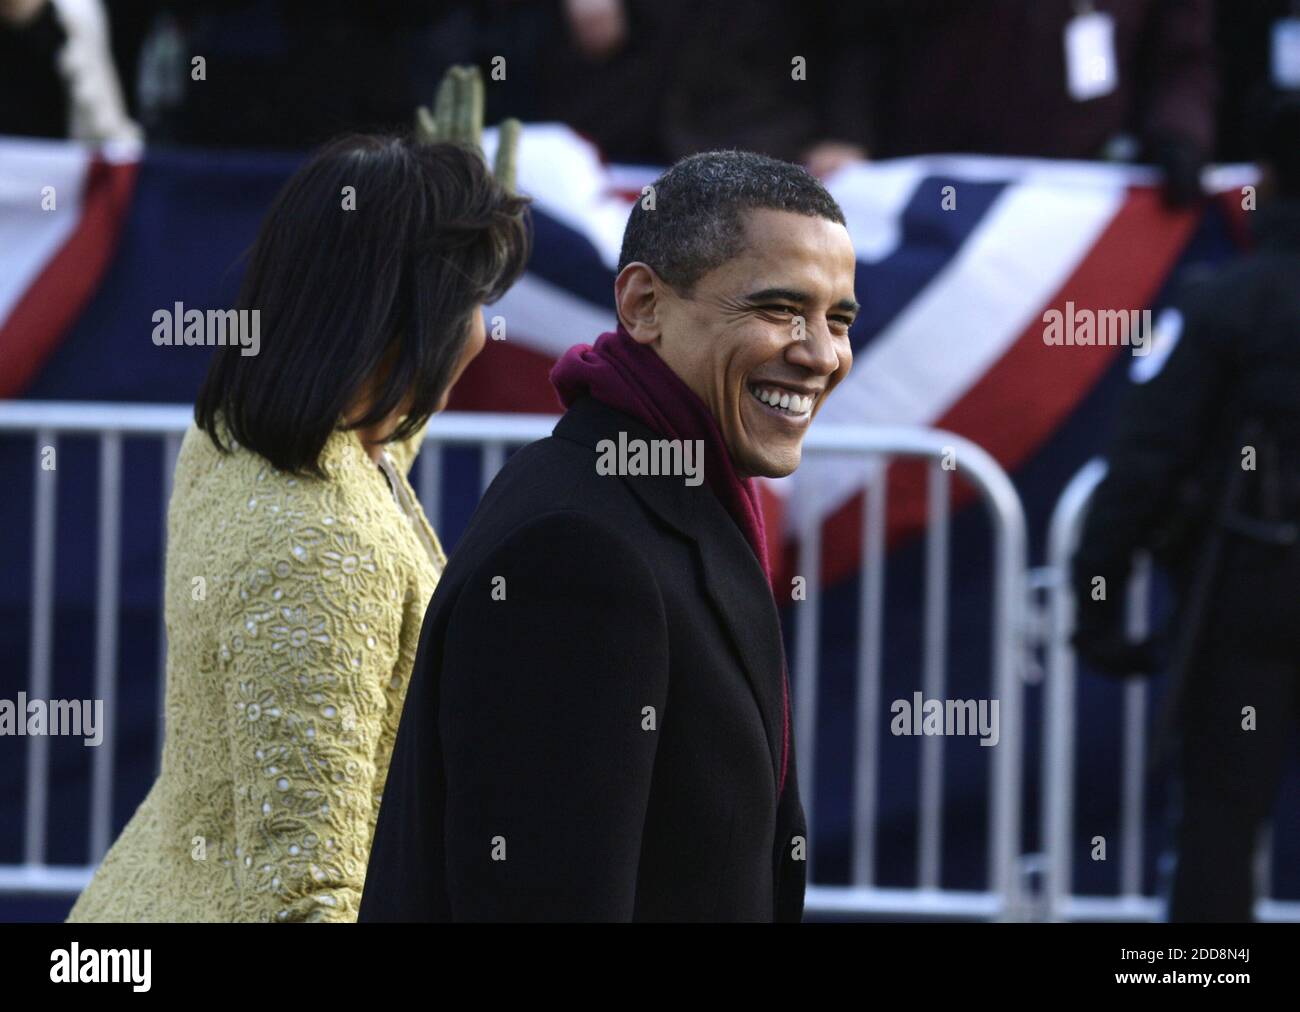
[(1091, 68), (1285, 50)]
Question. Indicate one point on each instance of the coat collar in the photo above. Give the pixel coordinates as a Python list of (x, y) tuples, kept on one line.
[(733, 578), (344, 459), (343, 453)]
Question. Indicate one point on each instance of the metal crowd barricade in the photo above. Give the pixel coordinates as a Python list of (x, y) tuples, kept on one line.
[(1060, 713), (112, 423), (1001, 897), (47, 421)]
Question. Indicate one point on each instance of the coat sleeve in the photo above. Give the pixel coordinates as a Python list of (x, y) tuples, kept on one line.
[(404, 451), (1164, 428), (304, 663), (554, 683)]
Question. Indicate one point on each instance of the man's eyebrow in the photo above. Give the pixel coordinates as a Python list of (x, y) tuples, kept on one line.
[(780, 294), (800, 298)]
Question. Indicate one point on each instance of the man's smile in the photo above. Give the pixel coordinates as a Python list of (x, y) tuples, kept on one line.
[(789, 403)]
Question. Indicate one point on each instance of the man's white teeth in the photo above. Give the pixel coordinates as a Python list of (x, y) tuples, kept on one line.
[(794, 404)]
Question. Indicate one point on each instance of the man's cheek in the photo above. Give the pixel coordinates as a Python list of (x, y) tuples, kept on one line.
[(845, 367)]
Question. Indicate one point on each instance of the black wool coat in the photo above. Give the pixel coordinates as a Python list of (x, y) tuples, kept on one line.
[(593, 729)]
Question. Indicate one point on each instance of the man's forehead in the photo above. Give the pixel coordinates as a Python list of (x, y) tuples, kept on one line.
[(771, 221), (781, 246), (773, 234)]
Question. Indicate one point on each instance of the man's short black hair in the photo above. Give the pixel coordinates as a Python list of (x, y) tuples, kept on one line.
[(696, 222)]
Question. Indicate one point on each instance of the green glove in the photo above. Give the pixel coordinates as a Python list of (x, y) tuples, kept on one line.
[(458, 117)]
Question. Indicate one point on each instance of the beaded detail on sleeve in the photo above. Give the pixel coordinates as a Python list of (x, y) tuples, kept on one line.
[(294, 608)]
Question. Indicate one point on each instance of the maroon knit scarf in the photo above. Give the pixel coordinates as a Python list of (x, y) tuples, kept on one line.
[(632, 378)]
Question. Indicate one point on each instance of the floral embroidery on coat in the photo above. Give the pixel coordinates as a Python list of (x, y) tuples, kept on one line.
[(293, 610)]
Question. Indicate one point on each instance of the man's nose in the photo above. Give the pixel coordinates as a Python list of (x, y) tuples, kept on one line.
[(815, 351)]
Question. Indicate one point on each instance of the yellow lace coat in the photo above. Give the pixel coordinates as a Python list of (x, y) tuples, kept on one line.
[(293, 610)]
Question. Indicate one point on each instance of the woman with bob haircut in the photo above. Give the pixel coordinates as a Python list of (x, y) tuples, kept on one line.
[(299, 560)]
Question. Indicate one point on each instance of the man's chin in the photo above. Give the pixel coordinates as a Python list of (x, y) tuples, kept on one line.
[(775, 466)]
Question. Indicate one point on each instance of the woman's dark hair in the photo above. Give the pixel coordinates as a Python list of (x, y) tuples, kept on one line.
[(367, 268)]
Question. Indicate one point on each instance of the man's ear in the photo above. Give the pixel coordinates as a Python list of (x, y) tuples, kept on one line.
[(636, 298)]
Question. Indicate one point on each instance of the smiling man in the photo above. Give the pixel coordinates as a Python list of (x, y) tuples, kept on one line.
[(598, 725)]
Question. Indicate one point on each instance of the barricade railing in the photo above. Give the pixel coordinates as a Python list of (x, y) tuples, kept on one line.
[(1060, 714), (946, 454), (870, 447)]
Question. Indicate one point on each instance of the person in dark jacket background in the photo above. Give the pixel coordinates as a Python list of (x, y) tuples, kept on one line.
[(658, 80), (1216, 406), (598, 725), (1042, 78)]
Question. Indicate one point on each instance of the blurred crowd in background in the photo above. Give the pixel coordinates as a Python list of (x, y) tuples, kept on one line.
[(653, 80)]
